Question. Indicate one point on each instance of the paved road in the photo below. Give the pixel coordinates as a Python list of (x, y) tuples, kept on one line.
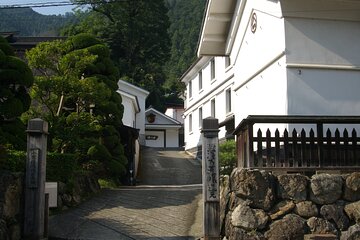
[(165, 205)]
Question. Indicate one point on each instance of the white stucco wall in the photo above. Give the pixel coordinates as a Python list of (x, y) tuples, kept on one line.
[(259, 62), (139, 96), (327, 42), (172, 138), (324, 56), (159, 142), (175, 113), (129, 112), (323, 92)]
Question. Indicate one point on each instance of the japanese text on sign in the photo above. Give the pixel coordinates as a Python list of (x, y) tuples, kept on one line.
[(211, 172), (33, 168)]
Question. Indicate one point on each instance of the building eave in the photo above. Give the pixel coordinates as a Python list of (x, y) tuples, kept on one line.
[(215, 27), (176, 122), (134, 89), (133, 99)]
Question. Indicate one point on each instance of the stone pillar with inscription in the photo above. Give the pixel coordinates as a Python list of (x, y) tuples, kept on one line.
[(210, 178), (35, 179)]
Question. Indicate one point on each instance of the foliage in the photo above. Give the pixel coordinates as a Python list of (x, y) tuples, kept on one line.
[(106, 183), (14, 160), (18, 20), (15, 78), (185, 18), (61, 167), (75, 92), (136, 32), (227, 157)]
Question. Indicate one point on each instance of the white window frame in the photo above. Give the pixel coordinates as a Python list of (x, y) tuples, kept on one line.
[(213, 107), (212, 69), (200, 117), (190, 123), (228, 100)]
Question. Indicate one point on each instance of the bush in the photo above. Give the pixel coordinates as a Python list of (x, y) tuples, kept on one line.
[(227, 157), (61, 167), (15, 161)]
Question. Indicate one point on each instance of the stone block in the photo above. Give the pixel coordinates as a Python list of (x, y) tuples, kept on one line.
[(320, 237), (325, 188)]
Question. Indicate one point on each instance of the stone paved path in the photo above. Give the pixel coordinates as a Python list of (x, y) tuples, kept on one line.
[(165, 205)]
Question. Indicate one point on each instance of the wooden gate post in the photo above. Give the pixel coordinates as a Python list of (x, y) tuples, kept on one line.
[(210, 178), (34, 216)]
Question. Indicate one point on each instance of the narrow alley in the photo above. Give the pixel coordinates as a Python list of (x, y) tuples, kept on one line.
[(166, 204)]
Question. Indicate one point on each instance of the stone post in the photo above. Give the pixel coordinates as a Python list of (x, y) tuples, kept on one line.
[(210, 178), (34, 218)]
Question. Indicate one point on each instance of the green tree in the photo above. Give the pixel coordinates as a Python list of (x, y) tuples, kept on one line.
[(15, 78), (227, 157), (136, 32), (185, 18), (75, 91)]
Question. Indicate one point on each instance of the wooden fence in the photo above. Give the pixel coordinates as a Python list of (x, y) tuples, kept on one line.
[(308, 149)]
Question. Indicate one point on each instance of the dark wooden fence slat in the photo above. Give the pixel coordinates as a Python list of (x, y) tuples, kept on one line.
[(312, 152), (268, 148), (303, 148), (294, 149), (278, 162), (259, 149), (286, 148), (345, 154), (337, 158), (354, 148), (328, 159)]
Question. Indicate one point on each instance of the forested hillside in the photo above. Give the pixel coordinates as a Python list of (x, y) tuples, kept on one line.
[(30, 23), (185, 18)]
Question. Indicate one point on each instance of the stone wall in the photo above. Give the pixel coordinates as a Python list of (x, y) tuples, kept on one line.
[(260, 205), (11, 209), (84, 187), (12, 196)]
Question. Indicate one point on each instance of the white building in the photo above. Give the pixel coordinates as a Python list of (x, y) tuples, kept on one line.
[(176, 112), (133, 100), (161, 130), (273, 57)]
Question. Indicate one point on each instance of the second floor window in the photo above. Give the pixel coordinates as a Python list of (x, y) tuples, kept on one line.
[(212, 66), (200, 80), (228, 100), (200, 117), (213, 108), (227, 61), (190, 123)]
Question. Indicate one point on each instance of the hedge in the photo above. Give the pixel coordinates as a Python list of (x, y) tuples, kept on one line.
[(59, 167)]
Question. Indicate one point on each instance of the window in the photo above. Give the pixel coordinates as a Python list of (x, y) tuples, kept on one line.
[(190, 123), (200, 80), (228, 100), (227, 61), (213, 108), (212, 66), (200, 117), (190, 89)]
